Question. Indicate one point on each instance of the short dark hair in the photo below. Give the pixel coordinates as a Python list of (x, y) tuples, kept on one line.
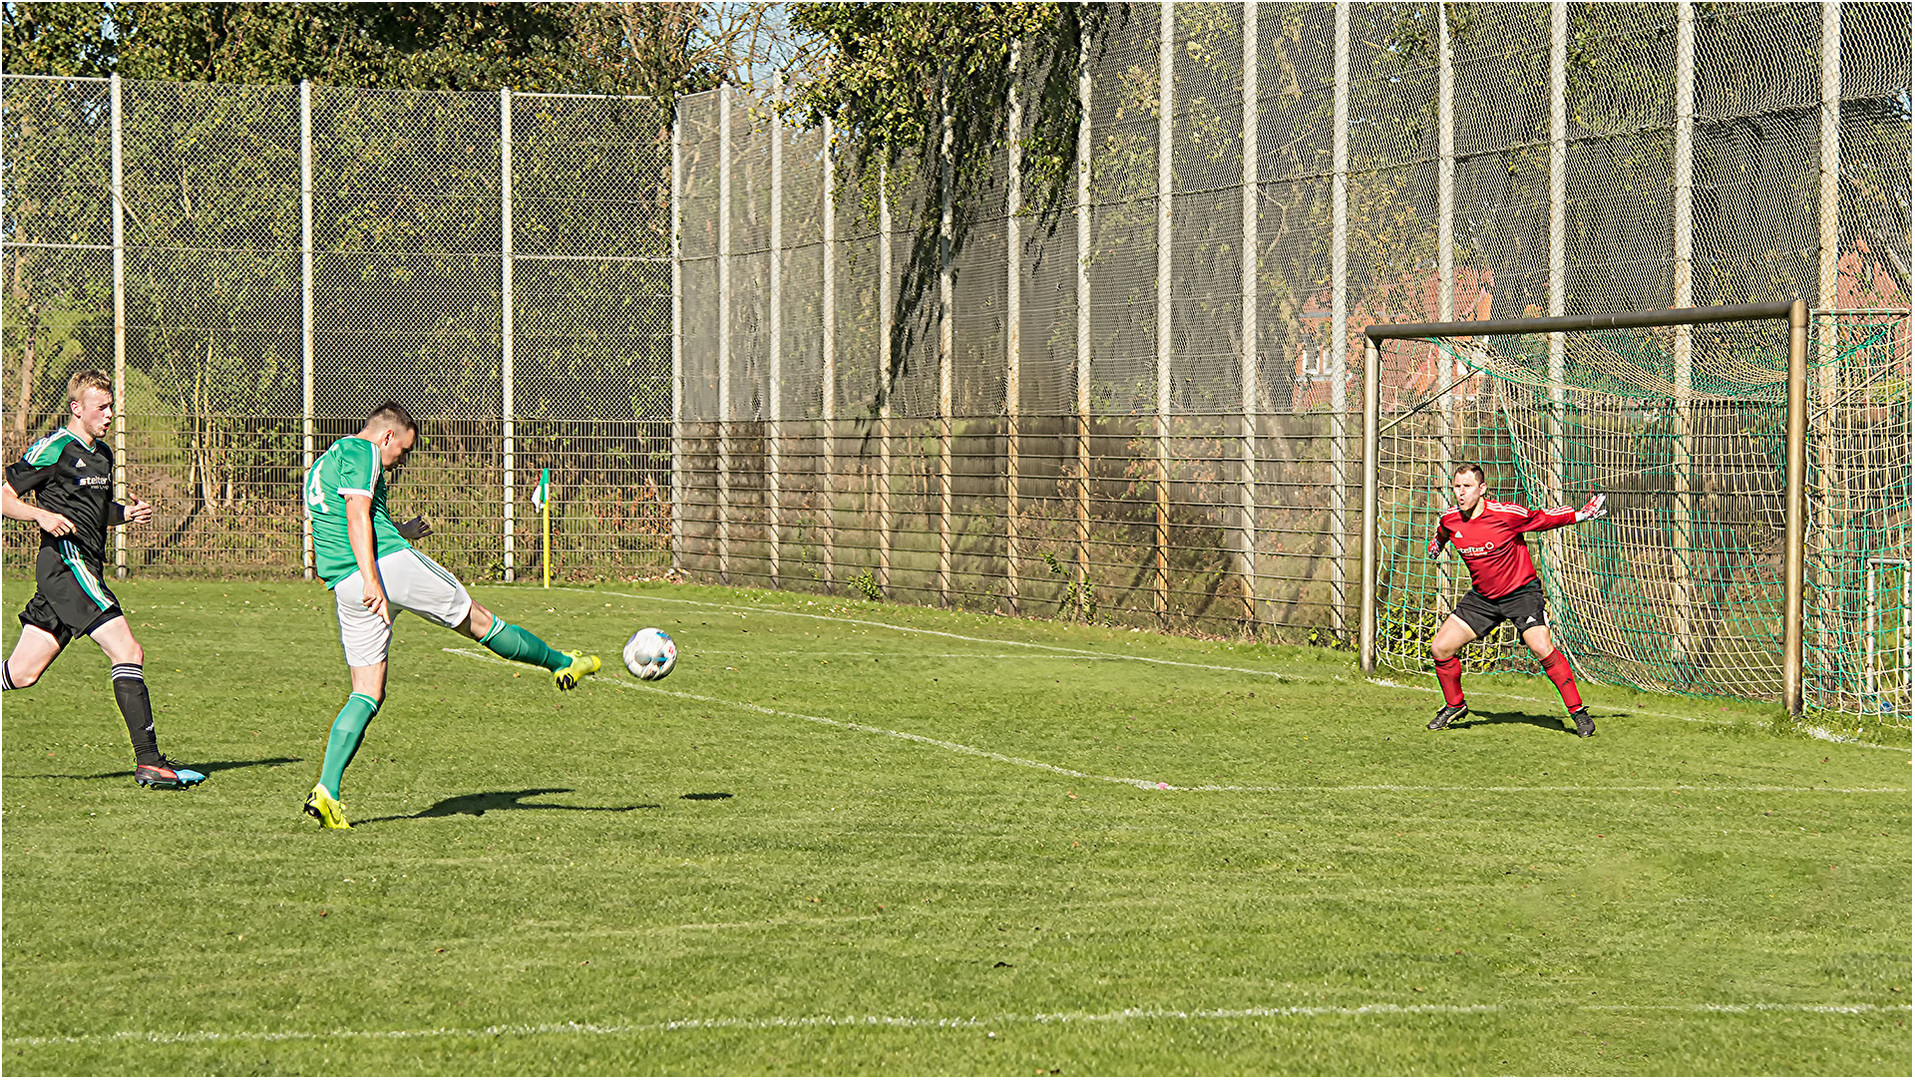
[(395, 415), (1470, 467)]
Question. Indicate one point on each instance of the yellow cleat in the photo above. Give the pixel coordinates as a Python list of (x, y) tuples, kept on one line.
[(330, 811), (568, 676)]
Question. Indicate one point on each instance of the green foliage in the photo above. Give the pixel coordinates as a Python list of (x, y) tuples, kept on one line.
[(866, 585), (624, 881), (654, 49)]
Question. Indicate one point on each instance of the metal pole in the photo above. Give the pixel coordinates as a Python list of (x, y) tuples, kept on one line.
[(1372, 417), (946, 292), (884, 379), (828, 407), (1082, 584), (1558, 415), (1796, 514), (119, 324), (775, 359), (1166, 70), (307, 434), (1340, 320), (1450, 418), (1013, 320), (724, 333), (505, 313), (678, 345), (1247, 358), (1684, 346), (1831, 236)]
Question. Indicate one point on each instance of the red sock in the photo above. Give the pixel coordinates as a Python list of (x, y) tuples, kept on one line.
[(1556, 666), (1449, 673)]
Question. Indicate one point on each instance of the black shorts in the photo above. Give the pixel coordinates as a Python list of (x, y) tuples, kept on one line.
[(1523, 606), (73, 600)]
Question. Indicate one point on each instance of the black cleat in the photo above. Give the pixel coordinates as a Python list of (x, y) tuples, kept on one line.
[(1585, 727), (1448, 713)]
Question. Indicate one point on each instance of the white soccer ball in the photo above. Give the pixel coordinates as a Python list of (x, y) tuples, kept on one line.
[(650, 654)]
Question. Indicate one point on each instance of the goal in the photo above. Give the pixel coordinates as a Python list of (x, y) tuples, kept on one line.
[(1757, 466)]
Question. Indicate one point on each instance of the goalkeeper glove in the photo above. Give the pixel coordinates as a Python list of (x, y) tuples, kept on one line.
[(1593, 509), (414, 529), (1436, 546)]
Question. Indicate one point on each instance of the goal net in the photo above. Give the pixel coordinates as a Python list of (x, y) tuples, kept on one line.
[(1681, 588)]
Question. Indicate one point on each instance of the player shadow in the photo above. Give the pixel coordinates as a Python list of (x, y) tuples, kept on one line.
[(480, 803), (207, 767), (1485, 719)]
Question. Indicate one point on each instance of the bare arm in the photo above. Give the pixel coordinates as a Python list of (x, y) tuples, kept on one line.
[(364, 552), (17, 509)]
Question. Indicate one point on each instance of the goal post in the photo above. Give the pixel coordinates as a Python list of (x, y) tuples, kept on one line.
[(1693, 420)]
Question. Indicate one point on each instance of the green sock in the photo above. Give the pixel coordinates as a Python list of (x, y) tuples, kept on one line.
[(348, 731), (514, 643)]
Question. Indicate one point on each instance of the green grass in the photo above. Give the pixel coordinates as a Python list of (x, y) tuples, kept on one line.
[(661, 879)]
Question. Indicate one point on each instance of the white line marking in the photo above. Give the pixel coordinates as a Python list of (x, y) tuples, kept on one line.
[(1605, 707), (1153, 785), (1265, 673), (1118, 1016), (941, 744)]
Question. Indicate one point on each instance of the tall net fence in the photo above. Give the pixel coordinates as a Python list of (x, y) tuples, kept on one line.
[(1681, 587), (1148, 409), (236, 364)]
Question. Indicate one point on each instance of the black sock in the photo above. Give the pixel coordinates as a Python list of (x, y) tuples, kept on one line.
[(129, 689)]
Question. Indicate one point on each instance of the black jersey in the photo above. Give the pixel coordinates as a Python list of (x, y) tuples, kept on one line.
[(73, 479)]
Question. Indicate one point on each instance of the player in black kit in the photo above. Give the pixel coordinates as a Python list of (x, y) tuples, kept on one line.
[(70, 473)]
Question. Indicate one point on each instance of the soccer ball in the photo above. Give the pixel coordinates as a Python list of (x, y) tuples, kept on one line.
[(650, 654)]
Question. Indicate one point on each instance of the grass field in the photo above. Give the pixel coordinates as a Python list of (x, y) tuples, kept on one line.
[(848, 837)]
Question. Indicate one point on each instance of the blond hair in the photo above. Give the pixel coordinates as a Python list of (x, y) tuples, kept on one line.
[(82, 381)]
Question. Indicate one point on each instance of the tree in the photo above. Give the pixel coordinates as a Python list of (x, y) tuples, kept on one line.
[(656, 49)]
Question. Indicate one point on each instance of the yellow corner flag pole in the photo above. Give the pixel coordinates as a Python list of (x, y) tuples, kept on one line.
[(543, 496)]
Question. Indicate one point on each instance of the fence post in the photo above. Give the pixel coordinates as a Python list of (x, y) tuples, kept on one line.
[(829, 405), (1450, 412), (119, 323), (724, 332), (884, 379), (1558, 265), (1166, 71), (1796, 510), (678, 345), (1247, 363), (1372, 423), (1683, 270), (775, 347), (946, 143), (1340, 317), (306, 311), (505, 316), (1082, 585), (1013, 320)]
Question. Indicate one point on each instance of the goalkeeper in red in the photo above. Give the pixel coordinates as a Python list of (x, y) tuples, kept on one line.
[(1503, 586)]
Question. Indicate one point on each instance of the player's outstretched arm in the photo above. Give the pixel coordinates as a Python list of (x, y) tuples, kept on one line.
[(14, 508)]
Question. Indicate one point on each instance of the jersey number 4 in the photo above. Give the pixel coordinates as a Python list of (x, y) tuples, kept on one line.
[(315, 491)]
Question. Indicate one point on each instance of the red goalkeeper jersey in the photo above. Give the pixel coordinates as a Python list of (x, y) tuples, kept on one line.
[(1492, 543)]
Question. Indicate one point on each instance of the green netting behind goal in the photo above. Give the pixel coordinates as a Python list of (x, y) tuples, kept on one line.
[(1680, 587)]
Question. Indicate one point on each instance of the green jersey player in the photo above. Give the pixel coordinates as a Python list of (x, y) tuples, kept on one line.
[(374, 573), (70, 475)]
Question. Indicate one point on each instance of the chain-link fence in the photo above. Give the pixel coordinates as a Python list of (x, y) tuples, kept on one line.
[(1147, 406), (259, 267), (1134, 396)]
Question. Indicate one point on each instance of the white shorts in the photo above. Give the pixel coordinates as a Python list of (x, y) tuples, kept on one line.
[(413, 582)]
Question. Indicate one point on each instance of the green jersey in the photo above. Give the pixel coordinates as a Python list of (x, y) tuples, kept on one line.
[(348, 467)]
